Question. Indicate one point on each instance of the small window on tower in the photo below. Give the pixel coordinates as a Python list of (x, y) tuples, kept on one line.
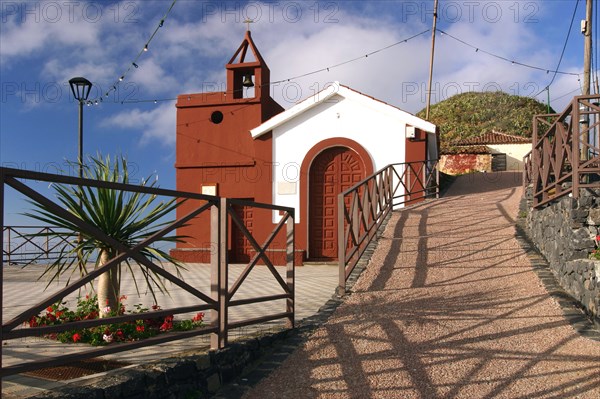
[(216, 117)]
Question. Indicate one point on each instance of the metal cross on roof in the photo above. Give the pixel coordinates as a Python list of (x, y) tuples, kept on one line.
[(248, 22)]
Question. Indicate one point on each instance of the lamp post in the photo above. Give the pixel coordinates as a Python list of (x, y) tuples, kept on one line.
[(81, 88)]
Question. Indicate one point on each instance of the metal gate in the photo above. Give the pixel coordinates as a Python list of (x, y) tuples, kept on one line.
[(498, 162)]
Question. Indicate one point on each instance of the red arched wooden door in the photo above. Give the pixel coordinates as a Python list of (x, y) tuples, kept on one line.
[(241, 249), (332, 171)]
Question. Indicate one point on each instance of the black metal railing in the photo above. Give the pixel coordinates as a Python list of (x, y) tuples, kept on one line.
[(218, 300), (24, 245), (565, 155), (363, 207)]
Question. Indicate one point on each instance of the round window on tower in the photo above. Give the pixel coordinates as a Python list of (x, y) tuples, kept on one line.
[(216, 117)]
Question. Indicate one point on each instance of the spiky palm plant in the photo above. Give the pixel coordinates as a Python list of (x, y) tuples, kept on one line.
[(127, 217)]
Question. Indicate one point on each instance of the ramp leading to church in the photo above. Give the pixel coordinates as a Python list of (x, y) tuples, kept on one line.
[(449, 306)]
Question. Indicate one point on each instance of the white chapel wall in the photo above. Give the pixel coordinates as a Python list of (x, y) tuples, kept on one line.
[(382, 135)]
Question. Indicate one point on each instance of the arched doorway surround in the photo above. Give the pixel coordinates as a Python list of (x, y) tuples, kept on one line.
[(330, 167)]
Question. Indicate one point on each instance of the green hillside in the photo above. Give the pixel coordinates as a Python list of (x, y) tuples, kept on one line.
[(471, 114)]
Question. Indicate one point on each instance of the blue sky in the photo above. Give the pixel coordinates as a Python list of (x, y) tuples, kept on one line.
[(44, 44)]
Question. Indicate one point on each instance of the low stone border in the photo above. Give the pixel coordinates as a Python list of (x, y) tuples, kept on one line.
[(572, 309)]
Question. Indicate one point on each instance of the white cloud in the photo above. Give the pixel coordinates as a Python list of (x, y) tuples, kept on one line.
[(156, 125), (152, 78), (188, 55), (55, 69), (397, 75), (44, 27)]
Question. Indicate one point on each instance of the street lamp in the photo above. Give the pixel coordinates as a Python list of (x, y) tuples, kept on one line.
[(81, 88)]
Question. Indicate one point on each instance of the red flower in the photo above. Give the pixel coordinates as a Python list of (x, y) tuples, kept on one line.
[(139, 328), (33, 322), (167, 324), (199, 317), (49, 309), (59, 313), (76, 337)]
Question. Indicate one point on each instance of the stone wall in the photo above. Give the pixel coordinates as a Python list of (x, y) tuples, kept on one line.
[(564, 232), (188, 376), (458, 164)]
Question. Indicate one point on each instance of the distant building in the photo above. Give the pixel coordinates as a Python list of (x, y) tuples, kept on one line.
[(241, 144), (489, 152)]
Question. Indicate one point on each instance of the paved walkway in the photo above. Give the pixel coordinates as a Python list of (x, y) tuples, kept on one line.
[(449, 307)]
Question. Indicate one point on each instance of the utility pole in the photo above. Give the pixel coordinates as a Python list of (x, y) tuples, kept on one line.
[(586, 29), (435, 7)]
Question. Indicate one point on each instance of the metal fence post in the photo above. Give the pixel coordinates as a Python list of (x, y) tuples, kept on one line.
[(341, 289), (407, 194), (8, 252), (215, 251), (223, 273), (47, 243), (2, 265), (356, 214), (424, 184), (291, 270), (575, 146), (437, 180), (218, 261)]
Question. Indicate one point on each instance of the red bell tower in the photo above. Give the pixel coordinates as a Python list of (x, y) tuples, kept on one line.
[(215, 151), (243, 74)]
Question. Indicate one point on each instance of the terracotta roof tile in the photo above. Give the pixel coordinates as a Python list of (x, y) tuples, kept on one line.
[(494, 138)]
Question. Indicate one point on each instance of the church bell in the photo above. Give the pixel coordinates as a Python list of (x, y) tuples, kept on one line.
[(247, 81)]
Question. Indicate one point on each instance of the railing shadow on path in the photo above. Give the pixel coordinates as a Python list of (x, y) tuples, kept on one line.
[(477, 322), (468, 320), (379, 356), (424, 255)]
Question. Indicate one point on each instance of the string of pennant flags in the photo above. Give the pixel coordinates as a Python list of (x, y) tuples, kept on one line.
[(135, 63), (327, 69)]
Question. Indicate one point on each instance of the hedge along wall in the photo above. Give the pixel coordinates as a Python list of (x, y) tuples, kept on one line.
[(564, 232)]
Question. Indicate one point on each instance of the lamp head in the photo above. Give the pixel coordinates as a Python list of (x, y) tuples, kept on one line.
[(81, 88)]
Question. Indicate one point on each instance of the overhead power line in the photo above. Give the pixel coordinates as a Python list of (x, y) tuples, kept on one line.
[(324, 69), (563, 50), (500, 57), (555, 71), (351, 60)]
